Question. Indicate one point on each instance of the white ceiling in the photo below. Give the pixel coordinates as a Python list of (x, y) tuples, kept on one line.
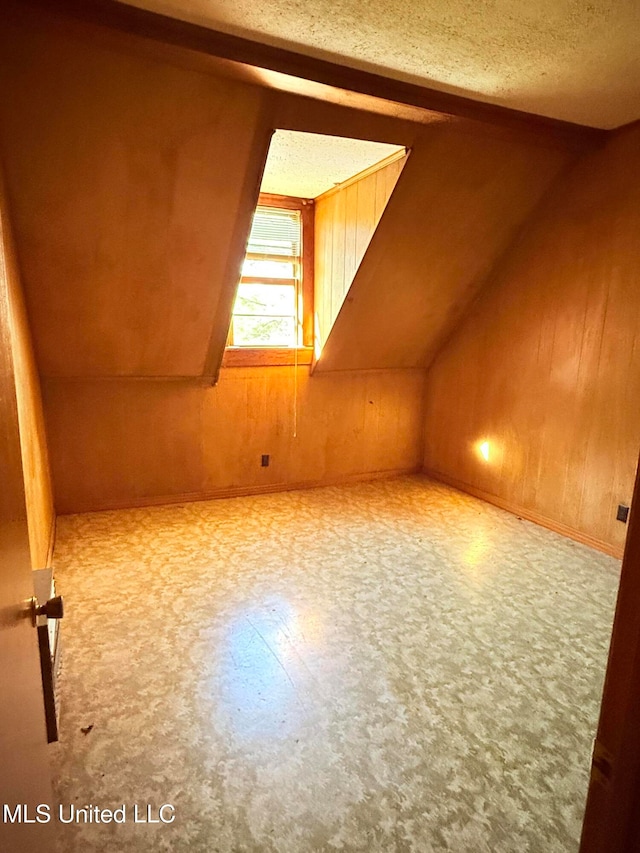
[(308, 164), (577, 60)]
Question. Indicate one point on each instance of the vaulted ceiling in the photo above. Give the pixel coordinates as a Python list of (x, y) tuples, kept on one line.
[(565, 59), (458, 204), (132, 181)]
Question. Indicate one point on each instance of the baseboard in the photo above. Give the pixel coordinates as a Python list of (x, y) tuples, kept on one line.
[(244, 491), (530, 515)]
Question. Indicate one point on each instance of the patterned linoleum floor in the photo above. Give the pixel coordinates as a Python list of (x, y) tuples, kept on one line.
[(391, 666)]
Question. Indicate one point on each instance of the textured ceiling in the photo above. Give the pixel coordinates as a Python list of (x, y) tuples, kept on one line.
[(577, 60), (308, 164)]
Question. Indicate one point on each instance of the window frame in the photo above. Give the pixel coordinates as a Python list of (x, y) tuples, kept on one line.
[(278, 356)]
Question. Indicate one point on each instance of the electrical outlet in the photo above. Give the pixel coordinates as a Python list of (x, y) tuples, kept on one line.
[(623, 513), (264, 462)]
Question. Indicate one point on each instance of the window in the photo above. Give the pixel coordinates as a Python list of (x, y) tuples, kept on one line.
[(272, 315), (265, 309)]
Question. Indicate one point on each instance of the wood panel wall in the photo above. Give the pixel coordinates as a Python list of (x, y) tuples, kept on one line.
[(130, 176), (126, 173), (345, 219), (125, 442), (132, 183), (547, 365), (460, 200), (33, 443)]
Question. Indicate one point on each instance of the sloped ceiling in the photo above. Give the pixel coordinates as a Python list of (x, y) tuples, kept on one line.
[(132, 185), (132, 182), (456, 207), (565, 59)]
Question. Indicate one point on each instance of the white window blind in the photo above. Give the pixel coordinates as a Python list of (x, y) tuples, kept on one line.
[(275, 232), (268, 306)]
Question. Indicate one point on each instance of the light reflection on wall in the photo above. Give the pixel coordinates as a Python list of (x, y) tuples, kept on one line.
[(265, 669), (499, 451)]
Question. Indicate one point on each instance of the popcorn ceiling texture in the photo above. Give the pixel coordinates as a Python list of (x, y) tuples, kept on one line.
[(567, 59), (308, 164), (392, 667)]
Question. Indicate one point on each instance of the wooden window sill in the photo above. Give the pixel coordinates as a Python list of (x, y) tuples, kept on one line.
[(266, 356)]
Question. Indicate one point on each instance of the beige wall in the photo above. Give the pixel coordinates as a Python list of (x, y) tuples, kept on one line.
[(546, 367)]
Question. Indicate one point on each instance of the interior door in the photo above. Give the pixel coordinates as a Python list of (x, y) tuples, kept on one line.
[(24, 768), (612, 819)]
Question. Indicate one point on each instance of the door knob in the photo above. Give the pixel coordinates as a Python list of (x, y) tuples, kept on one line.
[(52, 609)]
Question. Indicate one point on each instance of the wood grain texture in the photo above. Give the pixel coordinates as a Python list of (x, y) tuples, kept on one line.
[(130, 182), (266, 356), (123, 442), (33, 442), (459, 202), (530, 515), (25, 776), (345, 220), (547, 365)]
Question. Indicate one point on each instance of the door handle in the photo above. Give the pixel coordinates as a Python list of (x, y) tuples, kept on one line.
[(52, 609)]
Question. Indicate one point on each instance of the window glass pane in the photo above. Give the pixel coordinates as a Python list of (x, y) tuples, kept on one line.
[(263, 331), (266, 299), (266, 315), (269, 269)]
